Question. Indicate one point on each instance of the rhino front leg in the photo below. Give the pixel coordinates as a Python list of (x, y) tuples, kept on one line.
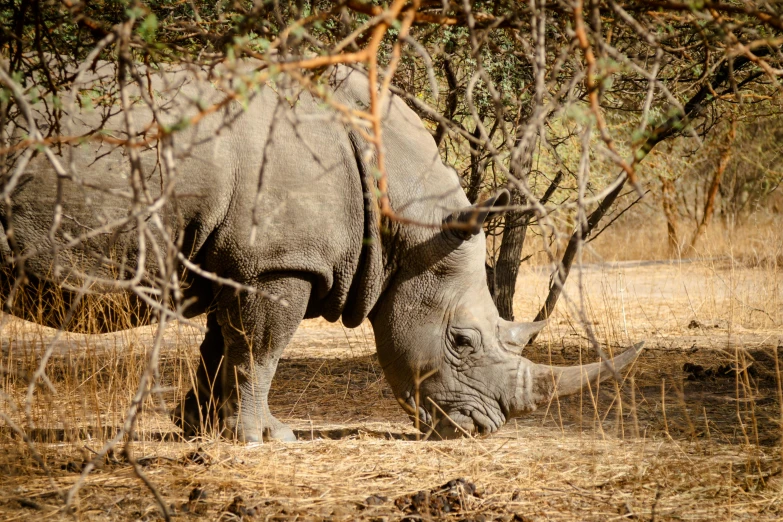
[(240, 360)]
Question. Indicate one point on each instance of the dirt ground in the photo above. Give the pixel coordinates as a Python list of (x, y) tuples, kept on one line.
[(693, 432)]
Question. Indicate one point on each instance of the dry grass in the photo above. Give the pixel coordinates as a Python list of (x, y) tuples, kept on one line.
[(756, 241), (698, 442), (531, 473)]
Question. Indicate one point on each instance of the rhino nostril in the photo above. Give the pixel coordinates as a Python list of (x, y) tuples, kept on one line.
[(504, 410)]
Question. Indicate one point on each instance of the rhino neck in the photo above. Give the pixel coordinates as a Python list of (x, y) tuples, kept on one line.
[(421, 190), (393, 248), (374, 269)]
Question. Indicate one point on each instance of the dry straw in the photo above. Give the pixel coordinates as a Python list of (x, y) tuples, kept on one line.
[(686, 436)]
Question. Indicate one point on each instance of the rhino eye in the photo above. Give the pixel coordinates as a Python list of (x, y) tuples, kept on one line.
[(462, 340)]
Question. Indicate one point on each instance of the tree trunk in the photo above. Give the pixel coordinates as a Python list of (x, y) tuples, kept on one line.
[(709, 204), (693, 108), (451, 99), (669, 210), (507, 265), (473, 190), (581, 234)]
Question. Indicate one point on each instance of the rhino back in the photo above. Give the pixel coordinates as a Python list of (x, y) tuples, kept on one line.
[(270, 186), (96, 197)]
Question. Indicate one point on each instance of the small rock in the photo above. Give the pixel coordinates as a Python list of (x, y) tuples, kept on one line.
[(238, 508), (72, 467), (341, 512), (148, 461), (197, 494), (197, 508), (712, 323), (694, 372), (196, 457), (375, 500), (30, 504), (111, 457), (448, 498)]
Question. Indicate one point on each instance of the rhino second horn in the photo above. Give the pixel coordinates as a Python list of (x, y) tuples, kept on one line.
[(517, 335), (539, 383)]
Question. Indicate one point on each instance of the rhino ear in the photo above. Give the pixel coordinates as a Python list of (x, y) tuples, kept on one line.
[(468, 222)]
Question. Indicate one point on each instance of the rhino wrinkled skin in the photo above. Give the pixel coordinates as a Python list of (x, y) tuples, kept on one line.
[(308, 176)]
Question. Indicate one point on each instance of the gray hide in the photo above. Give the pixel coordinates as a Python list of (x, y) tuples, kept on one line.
[(309, 177)]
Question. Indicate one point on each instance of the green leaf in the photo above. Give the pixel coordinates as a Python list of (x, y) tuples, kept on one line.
[(86, 102), (135, 12), (149, 27)]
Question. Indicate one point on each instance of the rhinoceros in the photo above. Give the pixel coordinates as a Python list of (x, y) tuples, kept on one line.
[(275, 190)]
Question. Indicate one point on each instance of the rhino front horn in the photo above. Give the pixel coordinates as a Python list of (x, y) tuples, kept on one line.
[(468, 222), (537, 384)]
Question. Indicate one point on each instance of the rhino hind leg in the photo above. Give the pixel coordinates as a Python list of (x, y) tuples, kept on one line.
[(246, 337), (198, 413)]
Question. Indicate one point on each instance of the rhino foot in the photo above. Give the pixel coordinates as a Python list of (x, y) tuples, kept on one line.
[(188, 417), (192, 418), (281, 432), (272, 429)]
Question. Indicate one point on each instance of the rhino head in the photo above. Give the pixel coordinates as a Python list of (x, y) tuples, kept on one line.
[(454, 364)]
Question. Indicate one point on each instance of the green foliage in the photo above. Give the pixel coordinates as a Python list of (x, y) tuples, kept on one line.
[(148, 28)]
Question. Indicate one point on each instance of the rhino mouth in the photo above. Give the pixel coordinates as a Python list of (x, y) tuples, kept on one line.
[(451, 421), (472, 422)]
